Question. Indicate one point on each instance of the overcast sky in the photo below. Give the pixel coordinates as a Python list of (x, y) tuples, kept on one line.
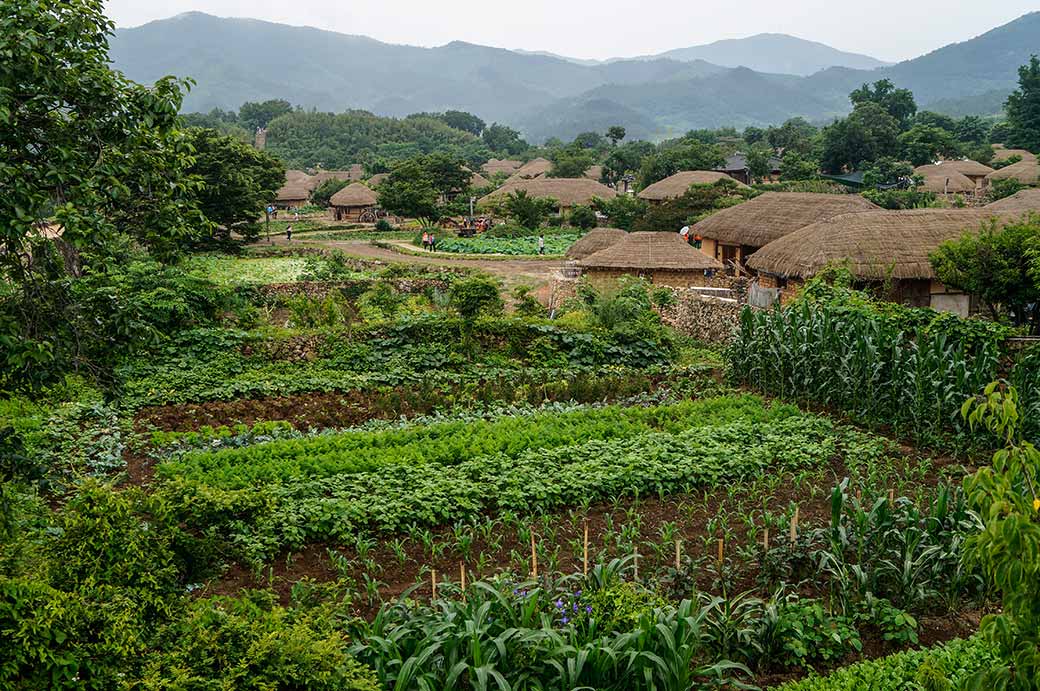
[(886, 29)]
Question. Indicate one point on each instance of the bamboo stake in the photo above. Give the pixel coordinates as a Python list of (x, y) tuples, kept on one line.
[(678, 554), (635, 562), (794, 526), (585, 553), (722, 548), (462, 577), (534, 558), (433, 582), (765, 539), (891, 498)]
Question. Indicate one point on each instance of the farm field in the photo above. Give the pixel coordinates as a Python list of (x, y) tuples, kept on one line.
[(365, 437)]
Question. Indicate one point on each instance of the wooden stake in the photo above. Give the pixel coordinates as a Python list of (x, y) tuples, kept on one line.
[(635, 562), (433, 582), (678, 554), (534, 558), (462, 578), (585, 553), (765, 539), (722, 548), (891, 497), (794, 525)]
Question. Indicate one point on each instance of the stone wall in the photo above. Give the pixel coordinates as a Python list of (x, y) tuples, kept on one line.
[(707, 319), (272, 292)]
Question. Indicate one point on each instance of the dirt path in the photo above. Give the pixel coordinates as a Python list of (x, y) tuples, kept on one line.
[(533, 272)]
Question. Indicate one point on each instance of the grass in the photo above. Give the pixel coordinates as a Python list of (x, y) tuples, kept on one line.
[(226, 270)]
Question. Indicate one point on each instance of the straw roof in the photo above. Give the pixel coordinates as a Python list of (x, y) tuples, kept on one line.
[(972, 169), (594, 172), (676, 185), (877, 244), (651, 250), (504, 165), (567, 191), (293, 192), (533, 168), (1026, 171), (377, 179), (296, 176), (595, 240), (1002, 154), (354, 194), (944, 180), (1020, 202), (770, 216), (477, 181)]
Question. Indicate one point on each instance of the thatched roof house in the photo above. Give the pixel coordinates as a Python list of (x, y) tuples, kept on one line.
[(879, 247), (1002, 154), (972, 169), (1026, 171), (945, 180), (594, 172), (478, 181), (732, 234), (536, 167), (595, 240), (568, 192), (660, 257), (353, 203), (292, 194), (495, 166), (296, 176), (376, 180), (676, 185), (1021, 202)]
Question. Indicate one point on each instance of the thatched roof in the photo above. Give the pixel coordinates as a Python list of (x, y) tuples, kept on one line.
[(877, 244), (354, 194), (296, 176), (377, 179), (595, 240), (651, 250), (1002, 154), (567, 191), (293, 192), (1026, 171), (594, 172), (676, 185), (500, 166), (972, 169), (770, 216), (1020, 202), (944, 180), (478, 181), (533, 168)]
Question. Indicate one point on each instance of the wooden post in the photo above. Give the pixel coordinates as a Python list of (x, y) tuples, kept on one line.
[(635, 562), (891, 498), (722, 549), (678, 554), (433, 582), (534, 558), (462, 578), (585, 552), (765, 539), (794, 526)]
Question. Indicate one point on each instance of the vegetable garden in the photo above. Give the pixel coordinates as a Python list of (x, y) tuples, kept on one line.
[(355, 476)]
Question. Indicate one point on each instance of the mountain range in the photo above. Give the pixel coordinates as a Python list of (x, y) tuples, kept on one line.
[(760, 80)]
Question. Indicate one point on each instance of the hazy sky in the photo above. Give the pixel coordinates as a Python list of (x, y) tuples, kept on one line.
[(887, 29)]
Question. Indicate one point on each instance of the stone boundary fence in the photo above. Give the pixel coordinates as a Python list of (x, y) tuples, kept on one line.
[(708, 314)]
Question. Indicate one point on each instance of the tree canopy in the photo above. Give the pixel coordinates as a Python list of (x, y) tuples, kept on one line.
[(1023, 109)]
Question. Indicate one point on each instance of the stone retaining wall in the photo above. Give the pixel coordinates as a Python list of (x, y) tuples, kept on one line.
[(707, 319)]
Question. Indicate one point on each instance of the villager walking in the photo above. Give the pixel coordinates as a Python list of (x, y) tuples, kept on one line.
[(288, 233), (541, 243)]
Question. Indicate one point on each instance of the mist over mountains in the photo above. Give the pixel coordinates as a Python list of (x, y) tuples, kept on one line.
[(759, 80)]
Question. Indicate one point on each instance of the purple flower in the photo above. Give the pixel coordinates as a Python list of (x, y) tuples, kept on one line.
[(559, 604), (588, 609), (575, 607), (565, 620)]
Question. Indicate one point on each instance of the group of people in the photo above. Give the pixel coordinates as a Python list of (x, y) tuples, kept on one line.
[(694, 240), (429, 241)]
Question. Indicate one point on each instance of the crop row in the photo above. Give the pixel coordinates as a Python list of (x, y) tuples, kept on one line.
[(554, 244), (539, 480), (455, 443)]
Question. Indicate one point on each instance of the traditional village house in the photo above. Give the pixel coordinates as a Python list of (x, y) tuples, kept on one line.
[(676, 185), (945, 181), (1001, 154), (354, 203), (1025, 171), (973, 170), (736, 166), (595, 240), (733, 234), (883, 249), (535, 168), (568, 192), (1020, 203), (496, 166), (594, 173), (376, 180), (662, 258), (292, 195)]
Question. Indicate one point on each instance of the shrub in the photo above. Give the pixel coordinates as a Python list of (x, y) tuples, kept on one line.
[(476, 296), (383, 225), (582, 217)]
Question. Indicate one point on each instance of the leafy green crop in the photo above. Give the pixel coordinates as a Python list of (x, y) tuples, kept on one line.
[(554, 244)]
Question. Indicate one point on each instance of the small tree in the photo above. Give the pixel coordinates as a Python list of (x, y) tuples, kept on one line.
[(994, 265), (1006, 497), (615, 134), (623, 211), (1023, 109), (528, 211), (322, 194), (582, 217), (759, 162), (408, 191), (571, 162), (1000, 189), (475, 296), (794, 166)]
